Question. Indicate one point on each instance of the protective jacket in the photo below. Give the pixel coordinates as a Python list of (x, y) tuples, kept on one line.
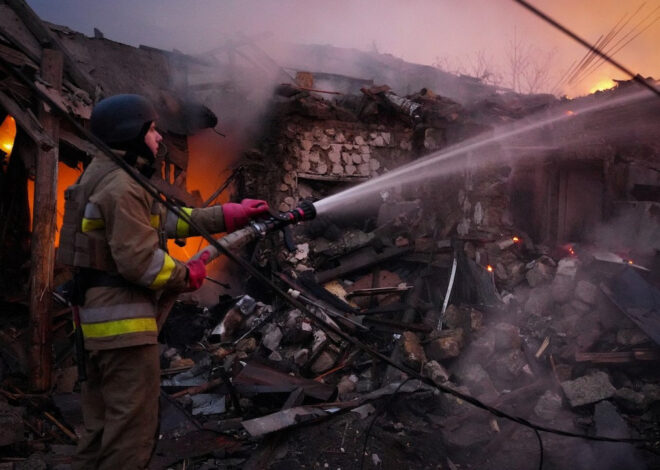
[(115, 233)]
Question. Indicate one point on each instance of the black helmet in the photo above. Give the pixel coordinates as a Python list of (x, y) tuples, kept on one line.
[(120, 119)]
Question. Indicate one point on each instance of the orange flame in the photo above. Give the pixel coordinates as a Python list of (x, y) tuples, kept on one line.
[(515, 239), (66, 176), (7, 135), (489, 268), (630, 262), (208, 167)]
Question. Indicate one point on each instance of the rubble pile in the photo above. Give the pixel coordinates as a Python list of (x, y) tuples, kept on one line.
[(541, 336)]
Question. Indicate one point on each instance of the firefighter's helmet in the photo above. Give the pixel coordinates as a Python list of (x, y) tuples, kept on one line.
[(119, 120)]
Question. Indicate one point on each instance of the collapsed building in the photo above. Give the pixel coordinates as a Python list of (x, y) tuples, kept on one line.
[(502, 245)]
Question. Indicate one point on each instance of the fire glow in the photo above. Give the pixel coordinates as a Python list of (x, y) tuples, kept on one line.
[(66, 176), (489, 268), (602, 85), (7, 135)]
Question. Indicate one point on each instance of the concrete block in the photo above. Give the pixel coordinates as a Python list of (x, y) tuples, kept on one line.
[(588, 389)]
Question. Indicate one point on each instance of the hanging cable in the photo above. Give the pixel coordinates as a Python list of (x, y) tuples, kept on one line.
[(586, 44)]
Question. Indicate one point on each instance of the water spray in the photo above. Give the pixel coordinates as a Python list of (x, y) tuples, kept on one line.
[(456, 158)]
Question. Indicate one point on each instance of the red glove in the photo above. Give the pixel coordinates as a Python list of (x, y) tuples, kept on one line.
[(197, 271), (238, 215)]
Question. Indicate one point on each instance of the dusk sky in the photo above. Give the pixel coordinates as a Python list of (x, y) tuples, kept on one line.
[(450, 32)]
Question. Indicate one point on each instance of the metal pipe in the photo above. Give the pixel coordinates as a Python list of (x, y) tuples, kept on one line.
[(450, 287)]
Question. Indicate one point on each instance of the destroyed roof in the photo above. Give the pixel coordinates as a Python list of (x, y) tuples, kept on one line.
[(97, 67), (119, 68), (403, 77)]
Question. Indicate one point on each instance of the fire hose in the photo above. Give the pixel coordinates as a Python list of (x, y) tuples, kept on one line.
[(233, 242), (224, 248), (258, 229)]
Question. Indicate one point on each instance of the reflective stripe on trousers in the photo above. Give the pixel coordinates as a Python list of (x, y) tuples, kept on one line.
[(113, 320)]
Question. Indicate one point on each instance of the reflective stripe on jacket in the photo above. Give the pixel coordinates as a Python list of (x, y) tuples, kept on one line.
[(124, 224)]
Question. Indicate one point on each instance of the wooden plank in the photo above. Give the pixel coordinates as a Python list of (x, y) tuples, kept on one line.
[(78, 142), (15, 32), (618, 357), (362, 258), (177, 193), (49, 39), (43, 235), (16, 57), (27, 122), (399, 325), (378, 291), (333, 179)]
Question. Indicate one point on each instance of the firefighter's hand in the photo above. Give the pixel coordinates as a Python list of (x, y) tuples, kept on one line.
[(197, 271), (238, 215)]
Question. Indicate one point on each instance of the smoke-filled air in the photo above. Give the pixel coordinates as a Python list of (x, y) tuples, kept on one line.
[(497, 41)]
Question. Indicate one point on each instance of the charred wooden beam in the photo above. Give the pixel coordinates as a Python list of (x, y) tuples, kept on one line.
[(16, 57), (48, 39), (399, 325), (618, 357), (27, 122), (224, 185), (43, 236), (379, 291), (363, 258), (331, 178), (176, 192)]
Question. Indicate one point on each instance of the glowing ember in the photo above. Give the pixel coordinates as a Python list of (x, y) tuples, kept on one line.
[(630, 261), (569, 113), (571, 250), (516, 240), (489, 268)]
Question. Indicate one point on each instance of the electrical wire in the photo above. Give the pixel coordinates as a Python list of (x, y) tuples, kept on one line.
[(613, 51), (586, 44), (538, 437), (613, 33), (252, 270), (376, 416)]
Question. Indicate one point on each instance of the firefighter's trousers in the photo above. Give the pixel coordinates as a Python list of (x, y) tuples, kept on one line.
[(120, 409)]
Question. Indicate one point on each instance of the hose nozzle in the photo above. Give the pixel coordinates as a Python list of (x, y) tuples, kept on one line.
[(279, 221), (305, 211)]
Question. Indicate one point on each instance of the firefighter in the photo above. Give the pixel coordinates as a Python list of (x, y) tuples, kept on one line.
[(114, 235)]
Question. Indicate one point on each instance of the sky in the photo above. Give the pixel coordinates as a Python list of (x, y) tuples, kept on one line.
[(449, 33)]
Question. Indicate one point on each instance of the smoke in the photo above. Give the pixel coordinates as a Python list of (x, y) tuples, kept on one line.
[(423, 31), (632, 233)]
